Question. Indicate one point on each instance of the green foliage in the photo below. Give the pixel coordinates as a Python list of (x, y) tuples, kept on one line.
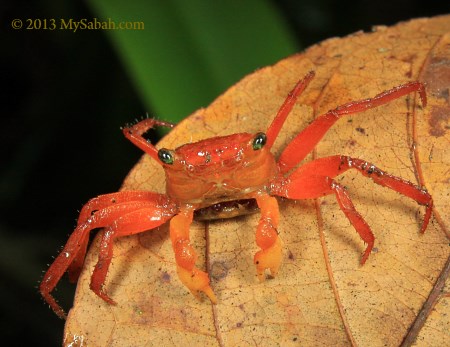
[(189, 52)]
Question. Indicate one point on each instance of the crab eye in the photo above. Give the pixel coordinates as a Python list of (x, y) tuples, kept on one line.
[(165, 156), (259, 141)]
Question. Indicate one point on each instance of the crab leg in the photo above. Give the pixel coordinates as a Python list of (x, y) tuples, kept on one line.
[(315, 179), (157, 206), (91, 207), (145, 218), (306, 140), (286, 108), (135, 132), (269, 257)]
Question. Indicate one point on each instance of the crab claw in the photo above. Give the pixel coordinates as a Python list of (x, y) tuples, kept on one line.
[(269, 258), (196, 281)]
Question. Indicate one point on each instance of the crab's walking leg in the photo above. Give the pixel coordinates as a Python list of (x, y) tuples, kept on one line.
[(145, 218), (101, 212), (286, 108), (93, 205), (269, 257), (134, 134), (185, 256), (315, 179), (306, 140)]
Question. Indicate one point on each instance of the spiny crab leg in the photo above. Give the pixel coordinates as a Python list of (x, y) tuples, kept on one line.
[(91, 207), (316, 179), (308, 138), (134, 134), (156, 205), (286, 108)]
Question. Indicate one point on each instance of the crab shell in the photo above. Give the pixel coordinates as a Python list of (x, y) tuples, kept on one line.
[(221, 169)]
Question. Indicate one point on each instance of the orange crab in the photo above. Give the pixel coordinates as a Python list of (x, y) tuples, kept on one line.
[(222, 177)]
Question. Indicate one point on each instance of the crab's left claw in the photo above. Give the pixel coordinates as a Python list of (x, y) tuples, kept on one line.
[(269, 258)]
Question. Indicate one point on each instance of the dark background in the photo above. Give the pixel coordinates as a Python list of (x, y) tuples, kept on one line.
[(64, 97)]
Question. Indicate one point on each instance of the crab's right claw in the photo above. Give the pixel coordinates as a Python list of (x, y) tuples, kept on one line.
[(196, 281)]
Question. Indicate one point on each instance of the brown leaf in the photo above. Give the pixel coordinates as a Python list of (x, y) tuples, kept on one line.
[(321, 296)]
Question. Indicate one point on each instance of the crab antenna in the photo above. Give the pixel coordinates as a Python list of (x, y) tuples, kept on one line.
[(286, 108)]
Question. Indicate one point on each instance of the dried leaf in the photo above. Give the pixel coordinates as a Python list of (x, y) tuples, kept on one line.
[(321, 296)]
